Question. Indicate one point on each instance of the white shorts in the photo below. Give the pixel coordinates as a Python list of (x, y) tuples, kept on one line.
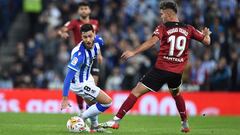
[(87, 90)]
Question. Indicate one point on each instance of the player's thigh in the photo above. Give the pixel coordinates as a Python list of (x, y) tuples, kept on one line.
[(174, 81), (139, 90), (154, 79), (103, 98)]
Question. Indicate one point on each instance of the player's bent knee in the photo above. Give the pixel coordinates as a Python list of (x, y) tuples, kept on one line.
[(139, 90), (137, 94), (174, 91), (103, 98), (109, 100)]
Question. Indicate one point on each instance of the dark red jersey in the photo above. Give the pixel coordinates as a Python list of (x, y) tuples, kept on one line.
[(175, 38), (75, 26)]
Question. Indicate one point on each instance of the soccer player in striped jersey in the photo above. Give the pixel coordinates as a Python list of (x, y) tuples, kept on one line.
[(73, 26), (80, 80)]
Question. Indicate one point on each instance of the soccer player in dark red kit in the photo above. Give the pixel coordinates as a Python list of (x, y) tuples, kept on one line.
[(74, 26), (172, 57)]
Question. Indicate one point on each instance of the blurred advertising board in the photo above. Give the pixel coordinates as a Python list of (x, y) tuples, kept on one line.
[(48, 101)]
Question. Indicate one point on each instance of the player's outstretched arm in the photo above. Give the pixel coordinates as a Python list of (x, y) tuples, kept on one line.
[(71, 73), (206, 32), (63, 32), (146, 45)]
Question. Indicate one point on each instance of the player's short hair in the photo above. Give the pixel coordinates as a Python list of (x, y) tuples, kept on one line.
[(168, 4), (83, 4), (86, 28)]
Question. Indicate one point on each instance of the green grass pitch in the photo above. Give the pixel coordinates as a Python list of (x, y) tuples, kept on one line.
[(55, 124)]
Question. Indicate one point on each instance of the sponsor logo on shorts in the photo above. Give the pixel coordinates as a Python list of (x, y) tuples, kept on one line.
[(93, 91)]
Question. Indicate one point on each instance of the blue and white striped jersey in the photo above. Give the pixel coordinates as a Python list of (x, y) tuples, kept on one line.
[(82, 59)]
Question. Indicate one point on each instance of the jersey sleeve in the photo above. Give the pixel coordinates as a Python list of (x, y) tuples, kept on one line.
[(76, 60), (69, 24), (158, 32), (196, 34), (100, 41), (67, 81)]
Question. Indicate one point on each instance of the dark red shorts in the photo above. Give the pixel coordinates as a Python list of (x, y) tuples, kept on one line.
[(156, 78)]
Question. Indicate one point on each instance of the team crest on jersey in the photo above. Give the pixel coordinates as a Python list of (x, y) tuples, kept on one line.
[(156, 32), (74, 61), (79, 53)]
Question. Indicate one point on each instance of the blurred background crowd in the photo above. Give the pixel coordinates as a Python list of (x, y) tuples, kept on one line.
[(32, 55)]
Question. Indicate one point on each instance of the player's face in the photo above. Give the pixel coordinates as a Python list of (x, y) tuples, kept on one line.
[(163, 16), (84, 11), (88, 38)]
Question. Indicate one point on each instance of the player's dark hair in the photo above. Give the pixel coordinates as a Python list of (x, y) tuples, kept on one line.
[(167, 4), (86, 28), (81, 4)]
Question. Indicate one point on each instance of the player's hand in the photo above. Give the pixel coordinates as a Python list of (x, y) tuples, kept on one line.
[(127, 54), (65, 103), (206, 31), (64, 35)]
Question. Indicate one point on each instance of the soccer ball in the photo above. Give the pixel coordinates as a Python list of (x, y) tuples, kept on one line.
[(76, 124)]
